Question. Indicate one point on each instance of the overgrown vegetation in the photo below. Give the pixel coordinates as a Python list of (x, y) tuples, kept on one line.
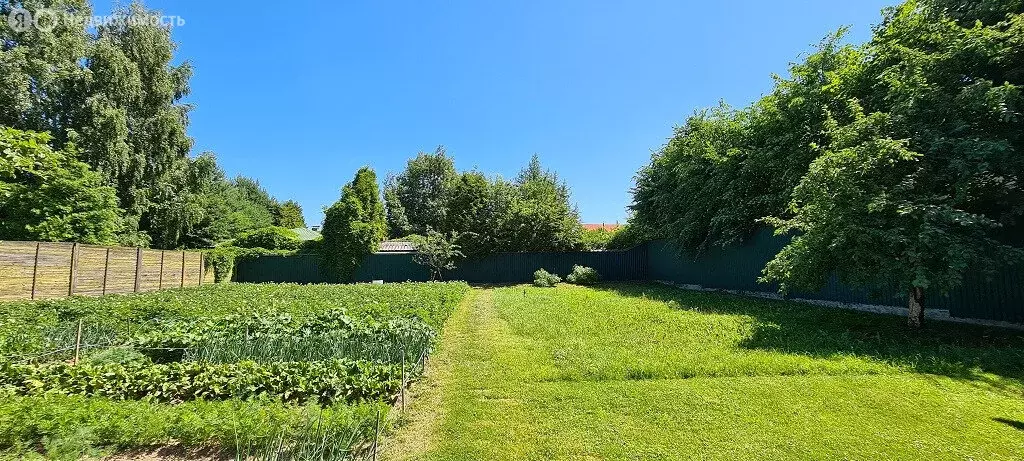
[(48, 194), (531, 213), (110, 97), (543, 278), (437, 252), (353, 226), (895, 165), (291, 348), (582, 275)]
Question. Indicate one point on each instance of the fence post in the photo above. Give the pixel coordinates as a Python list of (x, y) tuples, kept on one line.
[(35, 271), (73, 276), (403, 378), (182, 268), (202, 267), (160, 284), (106, 271), (78, 341), (138, 268)]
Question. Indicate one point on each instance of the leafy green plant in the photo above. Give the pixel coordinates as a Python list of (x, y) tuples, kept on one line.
[(269, 238), (543, 278), (437, 252), (323, 382), (582, 275), (31, 423), (48, 194)]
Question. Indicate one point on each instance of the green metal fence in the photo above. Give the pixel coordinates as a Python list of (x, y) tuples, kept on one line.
[(496, 268), (735, 268)]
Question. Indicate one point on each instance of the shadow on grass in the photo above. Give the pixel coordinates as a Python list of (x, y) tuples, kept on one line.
[(1009, 422), (955, 350)]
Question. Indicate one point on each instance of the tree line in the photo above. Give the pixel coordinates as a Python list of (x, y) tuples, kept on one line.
[(94, 141), (895, 164)]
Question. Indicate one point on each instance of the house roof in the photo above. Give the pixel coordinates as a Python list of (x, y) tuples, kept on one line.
[(607, 227), (306, 234), (396, 246)]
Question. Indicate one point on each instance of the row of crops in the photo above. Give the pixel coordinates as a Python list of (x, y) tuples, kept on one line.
[(265, 371)]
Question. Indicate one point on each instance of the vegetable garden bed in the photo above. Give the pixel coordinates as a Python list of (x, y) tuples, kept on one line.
[(264, 371)]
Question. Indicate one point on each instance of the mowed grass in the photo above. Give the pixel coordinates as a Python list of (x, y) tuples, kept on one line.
[(652, 372)]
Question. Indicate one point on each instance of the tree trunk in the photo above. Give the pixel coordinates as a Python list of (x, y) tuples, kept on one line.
[(915, 301)]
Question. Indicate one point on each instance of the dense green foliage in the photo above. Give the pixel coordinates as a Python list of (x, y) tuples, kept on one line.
[(115, 95), (532, 213), (649, 371), (270, 238), (596, 239), (582, 275), (436, 251), (418, 198), (543, 278), (47, 194), (253, 347), (289, 215), (34, 327), (321, 381), (69, 427), (628, 236), (354, 226), (896, 165)]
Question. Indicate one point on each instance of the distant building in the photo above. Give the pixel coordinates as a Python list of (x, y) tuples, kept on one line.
[(308, 234), (396, 246), (607, 227)]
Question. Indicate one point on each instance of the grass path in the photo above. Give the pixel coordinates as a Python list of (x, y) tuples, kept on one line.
[(576, 373)]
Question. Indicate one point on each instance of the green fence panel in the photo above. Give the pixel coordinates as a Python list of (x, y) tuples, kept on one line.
[(391, 267), (301, 268), (999, 297)]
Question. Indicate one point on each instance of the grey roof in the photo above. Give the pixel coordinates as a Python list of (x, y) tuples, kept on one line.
[(396, 246), (306, 234)]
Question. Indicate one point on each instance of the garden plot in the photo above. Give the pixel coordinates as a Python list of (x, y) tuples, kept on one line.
[(262, 370)]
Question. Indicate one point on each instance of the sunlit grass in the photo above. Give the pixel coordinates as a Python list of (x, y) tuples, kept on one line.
[(652, 372)]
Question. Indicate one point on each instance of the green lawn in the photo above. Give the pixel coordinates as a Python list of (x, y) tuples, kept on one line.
[(647, 371)]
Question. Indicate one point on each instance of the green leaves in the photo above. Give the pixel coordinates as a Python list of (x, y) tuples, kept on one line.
[(354, 226), (436, 252), (49, 195), (322, 382), (894, 164)]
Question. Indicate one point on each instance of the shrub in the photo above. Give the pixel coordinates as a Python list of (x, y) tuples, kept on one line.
[(582, 275), (543, 278), (270, 238)]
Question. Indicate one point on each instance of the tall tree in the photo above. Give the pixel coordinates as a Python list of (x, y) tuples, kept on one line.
[(896, 165), (418, 196), (290, 216), (541, 216), (354, 226), (47, 194), (925, 183)]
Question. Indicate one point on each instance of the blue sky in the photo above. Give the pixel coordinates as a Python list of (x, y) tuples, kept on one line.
[(299, 96)]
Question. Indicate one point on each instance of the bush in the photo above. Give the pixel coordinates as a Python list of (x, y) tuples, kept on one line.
[(582, 275), (543, 278), (270, 238)]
